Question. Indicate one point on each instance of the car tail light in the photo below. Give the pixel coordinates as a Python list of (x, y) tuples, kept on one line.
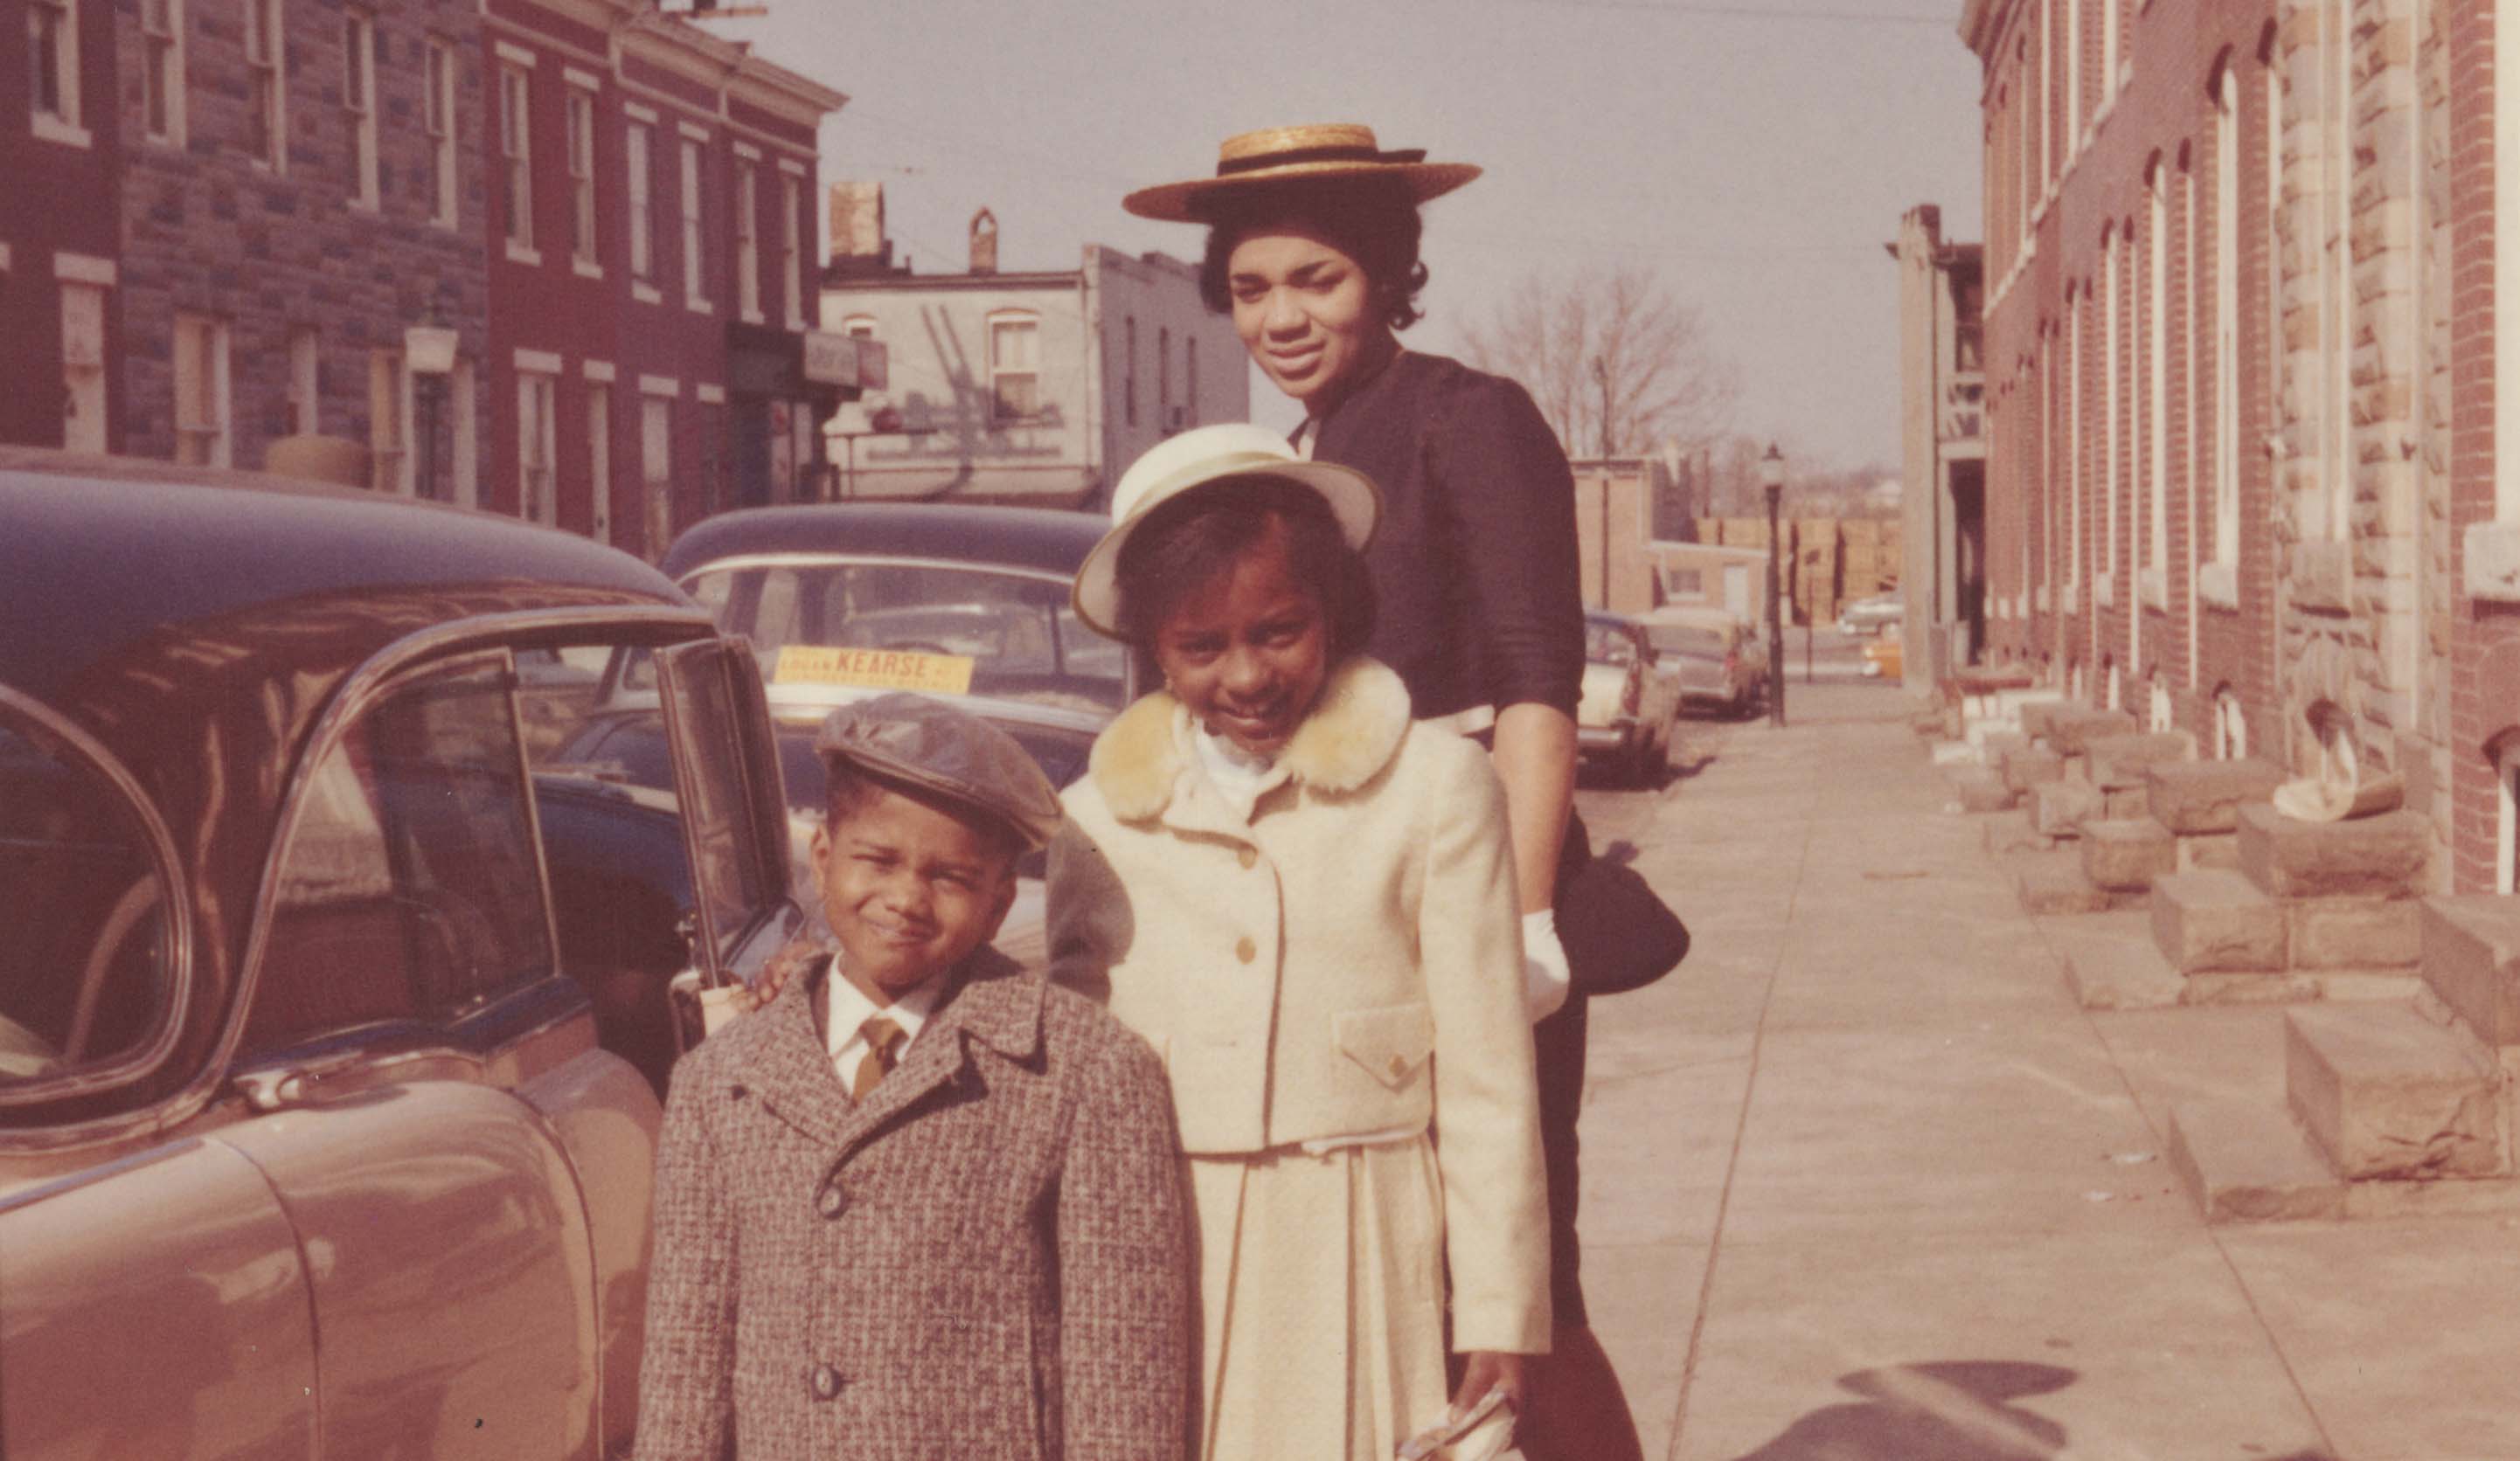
[(1731, 664)]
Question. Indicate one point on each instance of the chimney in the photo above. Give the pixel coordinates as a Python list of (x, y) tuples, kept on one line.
[(984, 243), (857, 221)]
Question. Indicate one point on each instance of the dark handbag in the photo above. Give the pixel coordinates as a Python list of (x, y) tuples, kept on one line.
[(1618, 935)]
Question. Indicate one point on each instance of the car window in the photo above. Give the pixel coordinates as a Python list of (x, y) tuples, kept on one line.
[(1688, 639), (85, 969), (1607, 643), (410, 887), (938, 628)]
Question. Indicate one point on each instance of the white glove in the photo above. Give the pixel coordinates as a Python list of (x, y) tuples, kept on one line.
[(1545, 977)]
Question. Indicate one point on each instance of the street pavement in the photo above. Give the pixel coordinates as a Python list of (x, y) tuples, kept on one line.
[(1863, 1182)]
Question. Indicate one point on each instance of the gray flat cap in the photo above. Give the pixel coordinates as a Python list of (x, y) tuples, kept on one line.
[(932, 746)]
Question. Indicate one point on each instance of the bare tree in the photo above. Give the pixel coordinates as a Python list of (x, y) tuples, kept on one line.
[(1615, 362)]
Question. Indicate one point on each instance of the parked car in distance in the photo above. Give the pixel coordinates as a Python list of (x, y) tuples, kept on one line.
[(332, 1020), (1625, 714), (1712, 654), (1870, 615)]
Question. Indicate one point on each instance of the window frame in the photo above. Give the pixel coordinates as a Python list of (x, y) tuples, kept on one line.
[(585, 242), (537, 446), (438, 122), (165, 98), (52, 32), (1029, 322), (748, 241), (266, 59), (792, 246), (693, 183), (516, 155), (639, 177), (208, 353), (175, 903), (359, 100)]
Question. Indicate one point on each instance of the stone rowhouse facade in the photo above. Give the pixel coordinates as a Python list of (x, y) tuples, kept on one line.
[(1942, 432), (667, 399), (2244, 362), (60, 238), (285, 257)]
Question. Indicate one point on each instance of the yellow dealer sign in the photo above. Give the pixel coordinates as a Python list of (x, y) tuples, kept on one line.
[(874, 669)]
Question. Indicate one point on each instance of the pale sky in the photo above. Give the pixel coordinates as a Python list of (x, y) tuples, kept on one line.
[(1756, 153)]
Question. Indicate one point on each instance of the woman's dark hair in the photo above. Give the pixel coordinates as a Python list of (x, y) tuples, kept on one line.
[(1189, 543), (1370, 222)]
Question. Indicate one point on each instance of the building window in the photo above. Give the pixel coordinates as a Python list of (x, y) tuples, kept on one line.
[(1190, 374), (83, 366), (305, 382), (748, 241), (2073, 79), (202, 435), (791, 249), (536, 446), (2109, 27), (161, 69), (2076, 478), (52, 47), (516, 157), (2156, 356), (2159, 714), (581, 176), (389, 444), (656, 474), (358, 101), (599, 455), (266, 53), (695, 270), (2110, 364), (2230, 727), (1128, 380), (2507, 830), (2225, 278), (437, 106), (639, 174), (1015, 367)]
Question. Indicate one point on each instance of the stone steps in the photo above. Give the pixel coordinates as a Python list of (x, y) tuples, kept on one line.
[(2125, 855), (2371, 857), (2120, 762), (2053, 883), (2247, 1161), (2204, 798), (1979, 788), (2072, 731), (2215, 919), (2386, 1093)]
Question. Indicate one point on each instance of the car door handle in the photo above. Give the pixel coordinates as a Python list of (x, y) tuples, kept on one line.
[(334, 1072)]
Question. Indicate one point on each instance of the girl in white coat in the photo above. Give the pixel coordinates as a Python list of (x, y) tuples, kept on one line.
[(1306, 902)]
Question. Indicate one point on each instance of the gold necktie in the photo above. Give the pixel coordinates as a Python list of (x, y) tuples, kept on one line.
[(884, 1041)]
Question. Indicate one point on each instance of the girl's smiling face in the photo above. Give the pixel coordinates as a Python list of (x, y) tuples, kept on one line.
[(1248, 652)]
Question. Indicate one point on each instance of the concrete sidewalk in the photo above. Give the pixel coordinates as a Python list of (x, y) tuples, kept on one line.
[(1863, 1181)]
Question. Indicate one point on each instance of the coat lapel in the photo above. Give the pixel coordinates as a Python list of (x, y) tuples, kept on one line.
[(993, 1003)]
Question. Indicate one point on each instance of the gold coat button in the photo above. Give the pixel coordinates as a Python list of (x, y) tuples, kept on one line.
[(1250, 856), (1246, 951)]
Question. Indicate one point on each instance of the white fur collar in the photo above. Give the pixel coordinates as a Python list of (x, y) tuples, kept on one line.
[(1350, 736)]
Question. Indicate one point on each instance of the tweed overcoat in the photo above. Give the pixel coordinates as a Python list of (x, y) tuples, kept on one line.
[(1346, 961), (988, 1257)]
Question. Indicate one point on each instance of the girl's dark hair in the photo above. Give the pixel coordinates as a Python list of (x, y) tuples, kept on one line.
[(1370, 222), (1190, 542)]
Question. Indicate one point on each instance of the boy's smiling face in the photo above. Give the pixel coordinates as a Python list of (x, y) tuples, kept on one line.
[(909, 890)]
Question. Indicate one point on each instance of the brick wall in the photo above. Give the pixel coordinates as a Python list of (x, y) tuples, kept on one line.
[(210, 230)]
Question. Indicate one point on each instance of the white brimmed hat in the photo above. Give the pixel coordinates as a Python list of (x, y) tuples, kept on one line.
[(1279, 155), (1194, 458)]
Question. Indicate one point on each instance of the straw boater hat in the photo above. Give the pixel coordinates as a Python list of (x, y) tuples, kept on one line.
[(1253, 161), (1194, 458)]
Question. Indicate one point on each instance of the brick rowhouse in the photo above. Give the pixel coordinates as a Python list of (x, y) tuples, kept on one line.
[(2243, 370)]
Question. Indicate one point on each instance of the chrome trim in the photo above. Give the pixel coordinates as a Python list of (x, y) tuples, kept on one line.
[(669, 623), (802, 559), (533, 810), (178, 932)]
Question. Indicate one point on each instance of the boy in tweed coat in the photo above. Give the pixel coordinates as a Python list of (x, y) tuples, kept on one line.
[(970, 1242)]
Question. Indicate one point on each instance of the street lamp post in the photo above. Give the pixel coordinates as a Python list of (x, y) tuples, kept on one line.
[(1772, 480)]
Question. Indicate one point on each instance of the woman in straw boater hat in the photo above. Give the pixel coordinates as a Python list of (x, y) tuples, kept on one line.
[(1304, 898), (1313, 248)]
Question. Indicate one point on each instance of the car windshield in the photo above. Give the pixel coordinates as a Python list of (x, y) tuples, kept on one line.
[(936, 627), (1607, 643)]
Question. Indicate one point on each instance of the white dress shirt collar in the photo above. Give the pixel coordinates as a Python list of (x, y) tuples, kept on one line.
[(846, 1009)]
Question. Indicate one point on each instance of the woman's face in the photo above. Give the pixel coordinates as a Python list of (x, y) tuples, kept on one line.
[(1305, 311), (1247, 653)]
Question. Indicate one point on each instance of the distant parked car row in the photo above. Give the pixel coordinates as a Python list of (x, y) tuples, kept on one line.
[(1643, 673), (1870, 615)]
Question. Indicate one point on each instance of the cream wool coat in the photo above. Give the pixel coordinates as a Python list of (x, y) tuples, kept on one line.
[(1347, 961)]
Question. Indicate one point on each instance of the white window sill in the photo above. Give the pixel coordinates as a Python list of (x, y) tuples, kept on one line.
[(366, 206), (587, 268), (791, 323), (755, 316), (50, 128), (2152, 585), (2073, 601), (2492, 569), (2217, 585), (699, 306), (2104, 592), (519, 253), (2042, 599), (646, 294)]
